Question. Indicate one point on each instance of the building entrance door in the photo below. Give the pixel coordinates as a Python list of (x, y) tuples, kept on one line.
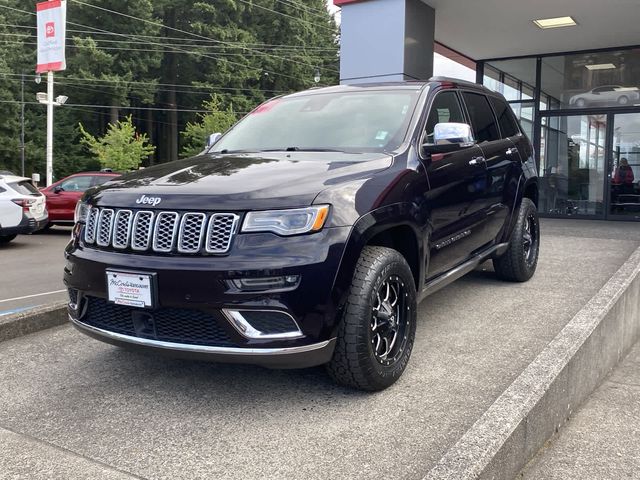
[(624, 167)]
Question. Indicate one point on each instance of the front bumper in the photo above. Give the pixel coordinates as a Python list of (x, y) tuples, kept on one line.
[(196, 289), (287, 357)]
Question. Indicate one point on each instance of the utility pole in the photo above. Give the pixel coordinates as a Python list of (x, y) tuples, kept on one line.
[(50, 103), (22, 124)]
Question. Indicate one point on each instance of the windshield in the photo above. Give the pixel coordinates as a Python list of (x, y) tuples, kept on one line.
[(371, 121)]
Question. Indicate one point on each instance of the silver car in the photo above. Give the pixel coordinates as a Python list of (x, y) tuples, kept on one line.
[(606, 95)]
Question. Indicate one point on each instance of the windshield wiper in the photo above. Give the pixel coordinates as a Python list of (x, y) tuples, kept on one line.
[(226, 150), (298, 149)]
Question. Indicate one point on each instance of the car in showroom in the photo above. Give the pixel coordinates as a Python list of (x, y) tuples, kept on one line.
[(311, 230), (63, 195), (22, 207), (606, 95)]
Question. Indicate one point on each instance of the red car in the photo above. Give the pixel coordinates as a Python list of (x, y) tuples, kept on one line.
[(63, 195)]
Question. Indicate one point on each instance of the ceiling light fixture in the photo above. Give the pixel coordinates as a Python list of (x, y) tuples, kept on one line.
[(555, 22), (601, 66)]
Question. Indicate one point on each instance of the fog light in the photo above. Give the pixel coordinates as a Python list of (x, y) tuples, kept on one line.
[(287, 282), (264, 324)]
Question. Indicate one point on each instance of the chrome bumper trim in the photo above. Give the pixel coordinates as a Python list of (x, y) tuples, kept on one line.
[(182, 347)]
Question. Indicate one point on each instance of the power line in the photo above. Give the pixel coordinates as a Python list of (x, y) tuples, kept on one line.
[(118, 49), (136, 82), (239, 45), (160, 44), (90, 105), (184, 31), (324, 15), (279, 13)]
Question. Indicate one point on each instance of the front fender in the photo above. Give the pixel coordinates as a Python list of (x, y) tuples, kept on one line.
[(366, 228)]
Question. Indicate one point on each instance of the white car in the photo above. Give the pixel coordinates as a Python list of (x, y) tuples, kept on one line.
[(606, 95), (22, 207)]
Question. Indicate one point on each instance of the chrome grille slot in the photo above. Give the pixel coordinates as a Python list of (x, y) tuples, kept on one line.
[(191, 229), (164, 233), (142, 229), (161, 232), (92, 222), (221, 228), (122, 229), (105, 226)]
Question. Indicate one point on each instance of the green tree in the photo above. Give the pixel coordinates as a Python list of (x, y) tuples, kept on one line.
[(121, 148), (215, 120)]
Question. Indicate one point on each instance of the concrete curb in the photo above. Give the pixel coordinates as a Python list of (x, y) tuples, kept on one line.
[(558, 380), (41, 318)]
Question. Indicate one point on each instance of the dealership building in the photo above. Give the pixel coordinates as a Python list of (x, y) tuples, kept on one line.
[(569, 68)]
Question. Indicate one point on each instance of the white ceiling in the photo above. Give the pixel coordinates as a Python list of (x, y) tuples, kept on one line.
[(483, 29)]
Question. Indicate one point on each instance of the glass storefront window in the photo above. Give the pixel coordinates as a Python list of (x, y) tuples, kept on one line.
[(591, 80), (524, 113), (515, 79), (624, 167), (572, 165)]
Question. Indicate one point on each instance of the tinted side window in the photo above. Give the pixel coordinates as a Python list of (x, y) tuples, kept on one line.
[(506, 120), (445, 108), (24, 187), (99, 180), (76, 184), (484, 123)]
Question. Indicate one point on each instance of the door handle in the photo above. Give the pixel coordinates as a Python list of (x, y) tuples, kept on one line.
[(477, 160), (511, 151)]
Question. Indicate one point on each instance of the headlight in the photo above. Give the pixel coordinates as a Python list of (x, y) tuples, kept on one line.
[(82, 210), (287, 222)]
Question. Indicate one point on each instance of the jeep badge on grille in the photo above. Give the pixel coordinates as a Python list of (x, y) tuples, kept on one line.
[(153, 201)]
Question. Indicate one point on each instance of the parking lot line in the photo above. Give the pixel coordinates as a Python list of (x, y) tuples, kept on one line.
[(17, 310), (32, 296)]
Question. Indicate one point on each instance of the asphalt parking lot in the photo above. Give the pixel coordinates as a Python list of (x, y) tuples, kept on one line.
[(71, 407), (32, 270)]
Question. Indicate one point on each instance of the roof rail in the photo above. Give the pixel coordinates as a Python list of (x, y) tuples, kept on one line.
[(457, 81)]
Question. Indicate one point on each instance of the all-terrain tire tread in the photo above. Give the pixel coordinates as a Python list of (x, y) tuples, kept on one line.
[(510, 266), (346, 367)]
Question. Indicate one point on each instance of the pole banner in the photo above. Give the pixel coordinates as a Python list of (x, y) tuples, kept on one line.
[(52, 19)]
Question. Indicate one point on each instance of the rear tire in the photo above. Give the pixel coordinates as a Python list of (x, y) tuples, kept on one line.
[(518, 263), (378, 326), (6, 238)]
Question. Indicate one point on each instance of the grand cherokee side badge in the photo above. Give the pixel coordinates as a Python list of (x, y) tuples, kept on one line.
[(144, 200)]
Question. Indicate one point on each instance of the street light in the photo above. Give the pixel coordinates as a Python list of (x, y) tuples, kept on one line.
[(48, 100), (316, 77)]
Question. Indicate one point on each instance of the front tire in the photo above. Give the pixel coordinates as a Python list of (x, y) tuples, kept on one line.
[(623, 100), (377, 329), (519, 262), (6, 238)]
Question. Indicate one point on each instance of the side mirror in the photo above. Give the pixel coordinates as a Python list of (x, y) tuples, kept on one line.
[(453, 133), (213, 138), (58, 189), (448, 137)]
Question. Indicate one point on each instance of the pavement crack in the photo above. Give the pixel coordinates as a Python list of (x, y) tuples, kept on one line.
[(71, 452)]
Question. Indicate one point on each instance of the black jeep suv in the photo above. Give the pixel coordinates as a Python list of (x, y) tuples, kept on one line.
[(310, 231)]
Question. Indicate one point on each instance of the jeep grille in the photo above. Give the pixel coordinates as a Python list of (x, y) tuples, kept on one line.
[(161, 232)]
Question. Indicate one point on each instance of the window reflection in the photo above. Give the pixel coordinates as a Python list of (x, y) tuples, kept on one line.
[(573, 164), (591, 80), (625, 165)]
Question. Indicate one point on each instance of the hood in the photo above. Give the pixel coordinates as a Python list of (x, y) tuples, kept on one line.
[(239, 182)]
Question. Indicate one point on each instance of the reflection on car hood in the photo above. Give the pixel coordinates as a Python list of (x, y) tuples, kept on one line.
[(240, 182)]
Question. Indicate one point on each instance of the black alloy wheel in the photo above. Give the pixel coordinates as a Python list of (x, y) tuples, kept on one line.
[(390, 321), (530, 239)]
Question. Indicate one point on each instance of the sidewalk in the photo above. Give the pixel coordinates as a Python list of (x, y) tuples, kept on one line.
[(602, 440)]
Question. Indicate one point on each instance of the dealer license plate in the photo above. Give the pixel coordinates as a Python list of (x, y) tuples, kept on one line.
[(131, 289)]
